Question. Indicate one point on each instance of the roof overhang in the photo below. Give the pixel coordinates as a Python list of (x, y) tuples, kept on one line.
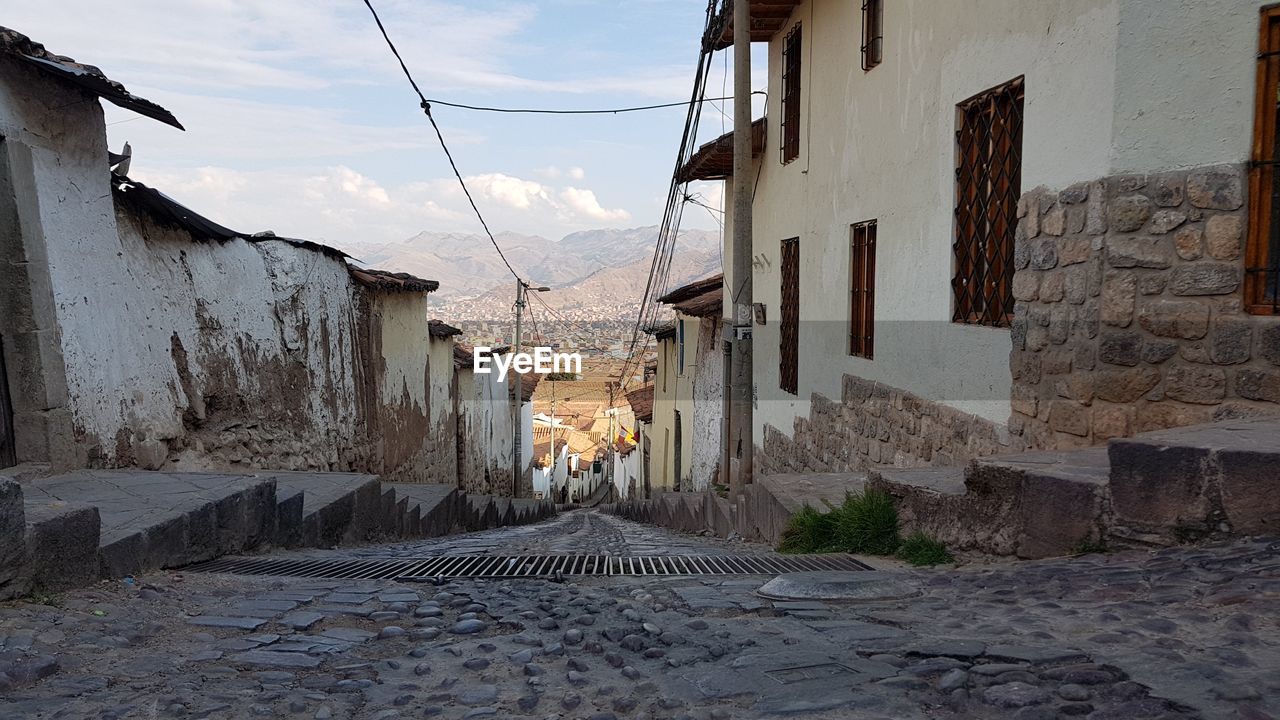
[(391, 282), (88, 77), (714, 160), (768, 18)]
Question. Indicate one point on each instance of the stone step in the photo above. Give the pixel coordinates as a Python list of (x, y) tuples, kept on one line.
[(337, 508), (151, 520), (1195, 481), (1057, 501), (62, 544), (433, 509)]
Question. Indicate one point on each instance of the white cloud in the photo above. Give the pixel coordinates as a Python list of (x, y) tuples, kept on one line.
[(510, 191), (584, 203), (577, 173)]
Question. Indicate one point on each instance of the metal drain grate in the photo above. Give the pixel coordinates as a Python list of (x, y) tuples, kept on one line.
[(508, 566)]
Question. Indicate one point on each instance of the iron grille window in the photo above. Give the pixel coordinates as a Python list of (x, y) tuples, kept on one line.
[(988, 183), (862, 288), (1262, 254), (791, 95), (789, 327), (872, 33)]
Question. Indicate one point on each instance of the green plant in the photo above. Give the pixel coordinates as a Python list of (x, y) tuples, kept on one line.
[(920, 549), (866, 522), (808, 531)]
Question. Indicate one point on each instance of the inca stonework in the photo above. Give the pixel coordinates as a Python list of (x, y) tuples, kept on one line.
[(1129, 311), (875, 424)]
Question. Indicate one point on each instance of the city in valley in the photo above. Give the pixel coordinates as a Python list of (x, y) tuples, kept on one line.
[(660, 360)]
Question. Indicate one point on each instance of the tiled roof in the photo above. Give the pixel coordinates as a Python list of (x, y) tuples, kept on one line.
[(391, 281), (440, 329), (642, 402)]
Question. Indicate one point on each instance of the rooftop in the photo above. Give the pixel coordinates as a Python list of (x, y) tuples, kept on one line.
[(714, 160), (88, 77)]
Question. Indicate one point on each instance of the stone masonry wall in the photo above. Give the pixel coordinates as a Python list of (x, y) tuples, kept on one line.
[(875, 424), (1129, 311)]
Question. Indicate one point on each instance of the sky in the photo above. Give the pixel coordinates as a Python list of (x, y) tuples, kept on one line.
[(299, 120)]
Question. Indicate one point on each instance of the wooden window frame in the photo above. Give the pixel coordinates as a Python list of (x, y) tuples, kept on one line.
[(862, 289), (792, 52), (872, 34), (789, 324), (989, 137), (1260, 266)]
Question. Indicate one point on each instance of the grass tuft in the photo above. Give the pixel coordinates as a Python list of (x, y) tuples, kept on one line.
[(866, 522), (808, 531), (920, 549)]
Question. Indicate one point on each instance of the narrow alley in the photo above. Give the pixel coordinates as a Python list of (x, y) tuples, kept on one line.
[(1099, 635)]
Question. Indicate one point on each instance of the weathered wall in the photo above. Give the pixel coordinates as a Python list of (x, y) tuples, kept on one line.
[(441, 464), (136, 344), (485, 430), (54, 187), (1129, 314), (708, 404), (673, 392), (874, 424)]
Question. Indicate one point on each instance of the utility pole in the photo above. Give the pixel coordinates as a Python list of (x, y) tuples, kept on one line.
[(741, 445), (522, 294), (515, 394)]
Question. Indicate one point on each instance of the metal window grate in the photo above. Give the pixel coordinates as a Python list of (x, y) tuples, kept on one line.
[(988, 184), (791, 95), (789, 326), (862, 289), (530, 566), (872, 33), (1262, 253)]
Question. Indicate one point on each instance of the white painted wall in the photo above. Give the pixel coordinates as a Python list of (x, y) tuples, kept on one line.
[(1111, 86)]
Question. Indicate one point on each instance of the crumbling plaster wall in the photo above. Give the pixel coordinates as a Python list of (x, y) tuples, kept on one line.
[(442, 420), (708, 404)]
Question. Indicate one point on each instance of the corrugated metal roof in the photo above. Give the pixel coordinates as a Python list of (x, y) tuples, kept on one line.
[(167, 211), (90, 78)]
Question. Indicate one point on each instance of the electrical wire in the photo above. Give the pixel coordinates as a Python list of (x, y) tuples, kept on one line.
[(426, 108), (606, 111)]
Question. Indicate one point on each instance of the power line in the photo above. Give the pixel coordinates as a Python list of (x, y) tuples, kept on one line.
[(426, 108), (606, 111)]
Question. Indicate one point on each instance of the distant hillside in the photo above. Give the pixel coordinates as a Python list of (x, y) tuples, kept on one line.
[(467, 266), (608, 293)]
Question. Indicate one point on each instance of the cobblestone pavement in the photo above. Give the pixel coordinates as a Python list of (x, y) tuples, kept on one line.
[(1173, 634)]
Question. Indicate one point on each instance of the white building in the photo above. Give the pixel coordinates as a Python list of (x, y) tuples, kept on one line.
[(980, 226)]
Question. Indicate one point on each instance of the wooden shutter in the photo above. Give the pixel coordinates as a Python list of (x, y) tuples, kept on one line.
[(791, 50), (862, 289), (1262, 251), (988, 185), (789, 327)]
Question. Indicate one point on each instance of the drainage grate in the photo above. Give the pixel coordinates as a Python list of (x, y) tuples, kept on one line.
[(508, 566)]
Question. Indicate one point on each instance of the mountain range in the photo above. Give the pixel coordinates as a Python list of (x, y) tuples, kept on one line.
[(590, 271)]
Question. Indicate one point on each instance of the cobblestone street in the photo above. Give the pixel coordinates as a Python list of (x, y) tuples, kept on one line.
[(1186, 632)]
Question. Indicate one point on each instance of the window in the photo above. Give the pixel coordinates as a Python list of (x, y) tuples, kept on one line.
[(872, 33), (862, 288), (789, 327), (1262, 255), (791, 95), (988, 183)]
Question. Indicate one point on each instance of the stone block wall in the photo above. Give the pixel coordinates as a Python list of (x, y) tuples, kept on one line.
[(1129, 310), (874, 424)]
